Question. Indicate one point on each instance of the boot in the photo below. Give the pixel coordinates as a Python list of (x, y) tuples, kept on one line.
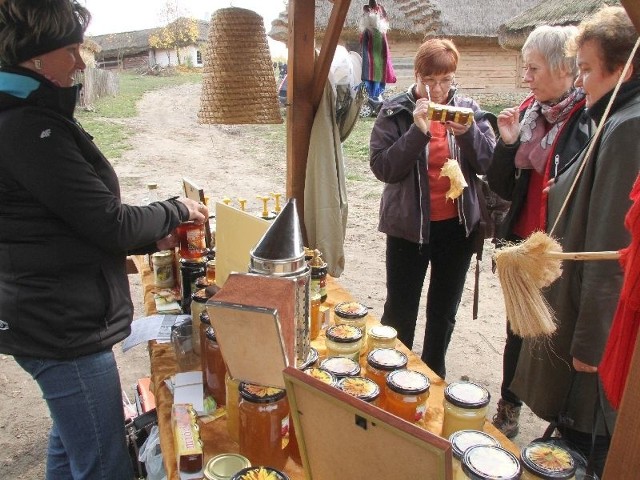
[(506, 419)]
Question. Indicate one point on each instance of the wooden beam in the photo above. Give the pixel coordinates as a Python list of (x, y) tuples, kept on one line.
[(328, 49), (300, 72)]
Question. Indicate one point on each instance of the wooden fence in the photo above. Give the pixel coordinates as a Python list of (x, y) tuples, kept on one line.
[(97, 83)]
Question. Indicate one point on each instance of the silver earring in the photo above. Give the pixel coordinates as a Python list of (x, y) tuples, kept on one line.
[(37, 63)]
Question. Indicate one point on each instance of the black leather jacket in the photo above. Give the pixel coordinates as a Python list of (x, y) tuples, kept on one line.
[(64, 233)]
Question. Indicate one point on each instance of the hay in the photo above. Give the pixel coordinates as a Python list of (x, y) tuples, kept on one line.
[(524, 269)]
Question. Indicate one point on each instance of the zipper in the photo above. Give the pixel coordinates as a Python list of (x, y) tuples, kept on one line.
[(556, 162), (421, 239)]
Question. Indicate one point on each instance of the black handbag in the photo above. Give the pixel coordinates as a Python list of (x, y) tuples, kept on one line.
[(137, 431)]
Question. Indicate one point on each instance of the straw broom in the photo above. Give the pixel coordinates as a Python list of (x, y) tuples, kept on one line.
[(527, 267)]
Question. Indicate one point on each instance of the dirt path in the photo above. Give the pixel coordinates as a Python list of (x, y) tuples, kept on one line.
[(238, 162)]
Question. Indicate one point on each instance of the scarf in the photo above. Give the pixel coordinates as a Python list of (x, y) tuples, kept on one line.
[(535, 135)]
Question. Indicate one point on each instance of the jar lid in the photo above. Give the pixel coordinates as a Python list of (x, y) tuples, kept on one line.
[(224, 466), (193, 262), (204, 317), (387, 359), (408, 382), (467, 395), (260, 472), (210, 333), (462, 440), (488, 462), (203, 282), (261, 394), (341, 366), (312, 358), (383, 332), (344, 333), (322, 375), (350, 310), (360, 387), (200, 296), (162, 255), (548, 461)]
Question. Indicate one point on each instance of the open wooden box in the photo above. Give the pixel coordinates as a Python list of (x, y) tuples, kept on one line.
[(343, 437)]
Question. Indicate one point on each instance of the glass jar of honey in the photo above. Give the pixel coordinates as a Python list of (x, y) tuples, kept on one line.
[(546, 461), (381, 336), (381, 362), (340, 367), (191, 237), (211, 271), (163, 276), (465, 407), (406, 394), (351, 313), (232, 388), (264, 425), (344, 341), (198, 303), (253, 473), (214, 369), (488, 462), (360, 387), (463, 440)]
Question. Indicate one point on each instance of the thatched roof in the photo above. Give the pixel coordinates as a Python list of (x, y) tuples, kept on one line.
[(132, 43), (417, 18), (514, 32)]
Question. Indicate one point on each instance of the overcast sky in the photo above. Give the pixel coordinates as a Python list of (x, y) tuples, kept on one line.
[(113, 16)]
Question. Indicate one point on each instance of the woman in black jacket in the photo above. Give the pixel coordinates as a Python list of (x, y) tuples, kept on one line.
[(536, 140), (64, 238)]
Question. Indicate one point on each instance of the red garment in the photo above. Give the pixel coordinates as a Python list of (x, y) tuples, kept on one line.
[(441, 207), (616, 360), (530, 219)]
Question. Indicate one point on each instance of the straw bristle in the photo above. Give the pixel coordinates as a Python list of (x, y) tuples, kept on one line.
[(523, 270)]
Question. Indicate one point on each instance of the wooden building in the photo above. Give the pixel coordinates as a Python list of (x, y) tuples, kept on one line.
[(485, 67)]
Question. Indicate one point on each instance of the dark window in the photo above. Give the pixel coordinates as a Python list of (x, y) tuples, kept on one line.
[(198, 57)]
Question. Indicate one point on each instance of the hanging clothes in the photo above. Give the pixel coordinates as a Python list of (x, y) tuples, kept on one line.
[(377, 67)]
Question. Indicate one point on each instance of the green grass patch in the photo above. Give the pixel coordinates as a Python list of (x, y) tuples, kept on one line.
[(356, 146)]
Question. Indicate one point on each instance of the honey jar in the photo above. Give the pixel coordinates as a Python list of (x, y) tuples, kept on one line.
[(191, 236), (406, 394), (232, 400), (360, 387), (461, 441), (341, 367), (211, 271), (465, 407), (264, 425), (198, 303), (381, 336), (380, 362), (488, 462), (322, 375), (344, 341), (252, 473), (214, 369), (163, 276), (546, 461)]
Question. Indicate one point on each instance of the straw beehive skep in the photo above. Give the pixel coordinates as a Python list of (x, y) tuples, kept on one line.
[(239, 85), (524, 269)]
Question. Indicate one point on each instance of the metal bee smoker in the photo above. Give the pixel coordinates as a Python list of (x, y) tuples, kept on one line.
[(280, 252)]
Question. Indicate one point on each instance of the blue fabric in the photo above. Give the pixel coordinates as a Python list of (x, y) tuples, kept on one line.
[(84, 396), (449, 252), (17, 85)]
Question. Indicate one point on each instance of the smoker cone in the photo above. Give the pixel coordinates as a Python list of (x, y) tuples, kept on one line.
[(280, 251)]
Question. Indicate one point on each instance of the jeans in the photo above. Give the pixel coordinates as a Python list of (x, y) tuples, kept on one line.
[(84, 396), (449, 252)]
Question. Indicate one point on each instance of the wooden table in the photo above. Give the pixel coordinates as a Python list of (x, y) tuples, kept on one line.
[(214, 434)]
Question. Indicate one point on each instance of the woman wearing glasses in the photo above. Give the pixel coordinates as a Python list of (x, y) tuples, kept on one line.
[(423, 227)]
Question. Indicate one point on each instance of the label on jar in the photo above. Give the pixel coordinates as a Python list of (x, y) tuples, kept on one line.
[(195, 240)]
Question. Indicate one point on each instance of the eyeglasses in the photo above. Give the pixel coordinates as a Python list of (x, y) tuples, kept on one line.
[(432, 83)]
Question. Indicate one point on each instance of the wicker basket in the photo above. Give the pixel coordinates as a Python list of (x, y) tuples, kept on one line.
[(239, 85)]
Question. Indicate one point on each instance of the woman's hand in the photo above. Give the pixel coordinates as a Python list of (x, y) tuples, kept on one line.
[(420, 115), (583, 367), (457, 128), (509, 125), (198, 211)]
